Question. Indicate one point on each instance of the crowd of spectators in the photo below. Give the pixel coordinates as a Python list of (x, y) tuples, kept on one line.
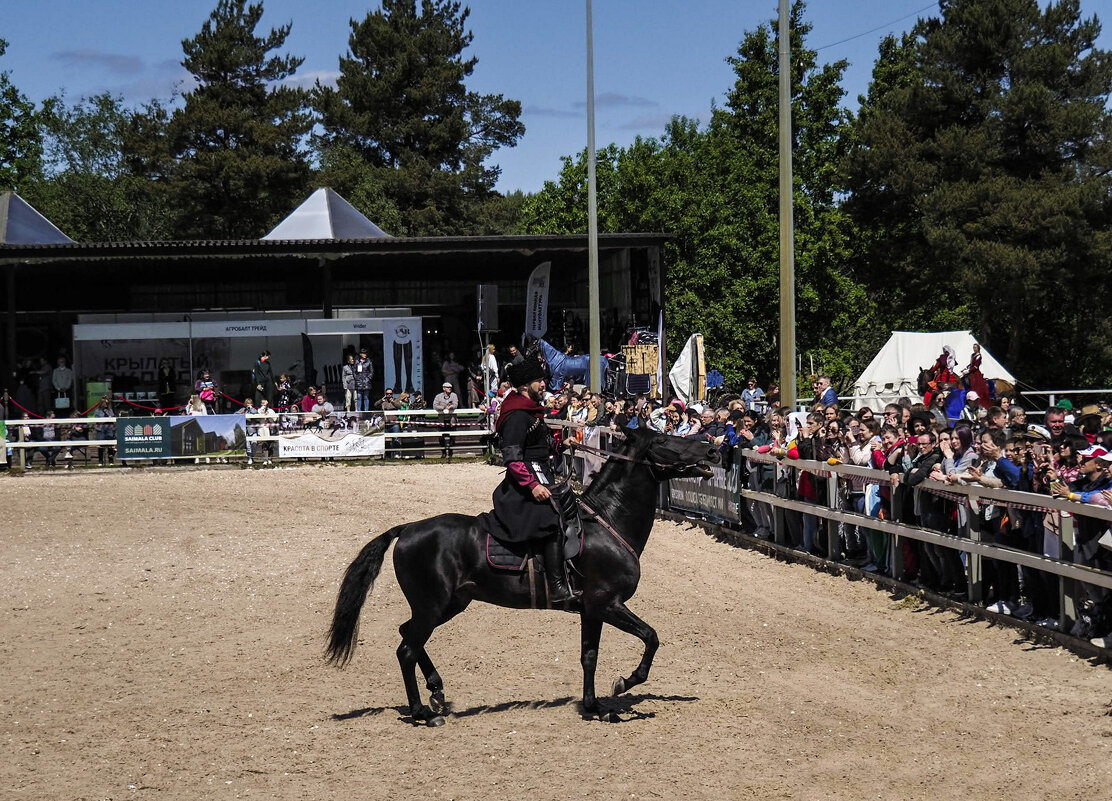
[(961, 437), (1068, 455)]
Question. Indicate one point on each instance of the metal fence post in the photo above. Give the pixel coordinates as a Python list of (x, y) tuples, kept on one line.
[(1067, 588), (833, 501), (22, 451), (976, 569)]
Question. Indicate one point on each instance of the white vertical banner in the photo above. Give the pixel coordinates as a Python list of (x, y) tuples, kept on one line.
[(402, 354), (536, 301)]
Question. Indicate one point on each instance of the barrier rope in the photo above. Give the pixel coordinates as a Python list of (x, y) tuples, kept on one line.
[(17, 404)]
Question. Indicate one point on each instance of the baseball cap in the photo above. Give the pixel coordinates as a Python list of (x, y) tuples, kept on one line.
[(972, 395), (1094, 452)]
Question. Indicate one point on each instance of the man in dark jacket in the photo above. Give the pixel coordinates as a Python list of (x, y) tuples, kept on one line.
[(263, 379), (524, 503), (362, 373)]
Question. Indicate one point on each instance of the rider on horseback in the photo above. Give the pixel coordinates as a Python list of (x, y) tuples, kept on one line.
[(524, 502)]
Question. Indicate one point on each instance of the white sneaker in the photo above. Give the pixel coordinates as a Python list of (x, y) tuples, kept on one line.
[(68, 455), (1001, 608), (197, 460), (249, 460), (1102, 642)]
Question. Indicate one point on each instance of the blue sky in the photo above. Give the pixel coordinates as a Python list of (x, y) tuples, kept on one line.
[(653, 59)]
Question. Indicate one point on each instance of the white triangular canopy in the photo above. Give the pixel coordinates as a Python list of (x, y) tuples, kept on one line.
[(20, 224), (326, 215), (894, 371)]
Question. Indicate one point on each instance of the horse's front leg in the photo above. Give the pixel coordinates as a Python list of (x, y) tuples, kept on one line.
[(591, 632), (621, 618)]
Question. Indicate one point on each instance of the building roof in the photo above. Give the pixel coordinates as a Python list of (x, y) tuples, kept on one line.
[(325, 215), (524, 245), (21, 224)]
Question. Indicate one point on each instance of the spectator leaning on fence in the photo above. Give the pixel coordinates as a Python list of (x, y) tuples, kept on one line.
[(266, 427), (446, 403)]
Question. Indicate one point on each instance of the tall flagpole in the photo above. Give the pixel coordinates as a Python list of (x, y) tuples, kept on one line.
[(787, 226), (593, 324)]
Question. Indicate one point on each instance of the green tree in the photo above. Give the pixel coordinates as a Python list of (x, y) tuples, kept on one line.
[(716, 192), (980, 170), (86, 189), (20, 138), (239, 141), (401, 102)]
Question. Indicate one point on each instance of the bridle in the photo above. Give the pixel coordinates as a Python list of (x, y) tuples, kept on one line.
[(653, 466), (606, 524)]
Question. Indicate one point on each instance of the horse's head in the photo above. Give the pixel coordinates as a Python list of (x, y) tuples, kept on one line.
[(673, 457)]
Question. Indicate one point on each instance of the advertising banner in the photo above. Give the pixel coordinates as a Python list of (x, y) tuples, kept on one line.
[(402, 354), (218, 435), (314, 446), (536, 301), (143, 438), (715, 497)]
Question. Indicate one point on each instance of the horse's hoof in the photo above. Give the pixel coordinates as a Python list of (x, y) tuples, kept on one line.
[(432, 723), (619, 687), (438, 704), (609, 717)]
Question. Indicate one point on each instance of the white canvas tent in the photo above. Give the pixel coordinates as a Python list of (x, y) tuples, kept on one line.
[(326, 215), (894, 371)]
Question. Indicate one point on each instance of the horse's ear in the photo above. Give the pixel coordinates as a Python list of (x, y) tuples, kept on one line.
[(636, 434)]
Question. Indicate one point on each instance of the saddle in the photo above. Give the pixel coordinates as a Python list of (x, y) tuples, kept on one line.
[(514, 556)]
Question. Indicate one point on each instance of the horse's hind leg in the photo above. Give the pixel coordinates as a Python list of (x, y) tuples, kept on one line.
[(621, 618), (433, 683), (410, 651)]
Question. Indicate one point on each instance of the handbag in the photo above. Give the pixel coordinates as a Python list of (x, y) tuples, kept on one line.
[(62, 402)]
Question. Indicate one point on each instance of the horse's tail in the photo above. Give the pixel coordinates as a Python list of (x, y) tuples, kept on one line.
[(358, 581)]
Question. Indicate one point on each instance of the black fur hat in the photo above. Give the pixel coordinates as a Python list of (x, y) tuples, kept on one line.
[(525, 372)]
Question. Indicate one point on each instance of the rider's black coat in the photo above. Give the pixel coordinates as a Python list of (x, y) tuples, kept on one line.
[(527, 439)]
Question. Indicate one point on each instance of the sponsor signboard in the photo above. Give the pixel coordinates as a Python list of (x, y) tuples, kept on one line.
[(716, 497), (170, 437), (314, 446), (143, 438)]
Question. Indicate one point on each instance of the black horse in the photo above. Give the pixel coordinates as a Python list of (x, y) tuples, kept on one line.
[(441, 566)]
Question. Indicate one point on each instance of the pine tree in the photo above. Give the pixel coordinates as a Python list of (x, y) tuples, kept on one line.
[(981, 170), (401, 102), (239, 142)]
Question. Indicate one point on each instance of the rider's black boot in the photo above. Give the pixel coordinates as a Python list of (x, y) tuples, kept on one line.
[(556, 571)]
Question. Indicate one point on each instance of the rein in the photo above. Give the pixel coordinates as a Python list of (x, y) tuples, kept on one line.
[(653, 466), (606, 525)]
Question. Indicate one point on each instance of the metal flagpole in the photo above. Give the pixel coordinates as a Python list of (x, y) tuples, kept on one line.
[(787, 227), (595, 338)]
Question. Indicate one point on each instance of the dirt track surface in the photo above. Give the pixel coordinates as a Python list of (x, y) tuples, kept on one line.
[(163, 630)]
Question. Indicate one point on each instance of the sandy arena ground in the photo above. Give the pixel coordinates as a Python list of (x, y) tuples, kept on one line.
[(163, 629)]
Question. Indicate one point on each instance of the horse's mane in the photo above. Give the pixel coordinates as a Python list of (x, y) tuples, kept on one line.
[(613, 469)]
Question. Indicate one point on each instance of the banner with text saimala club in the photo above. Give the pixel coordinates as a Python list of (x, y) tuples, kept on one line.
[(143, 438)]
